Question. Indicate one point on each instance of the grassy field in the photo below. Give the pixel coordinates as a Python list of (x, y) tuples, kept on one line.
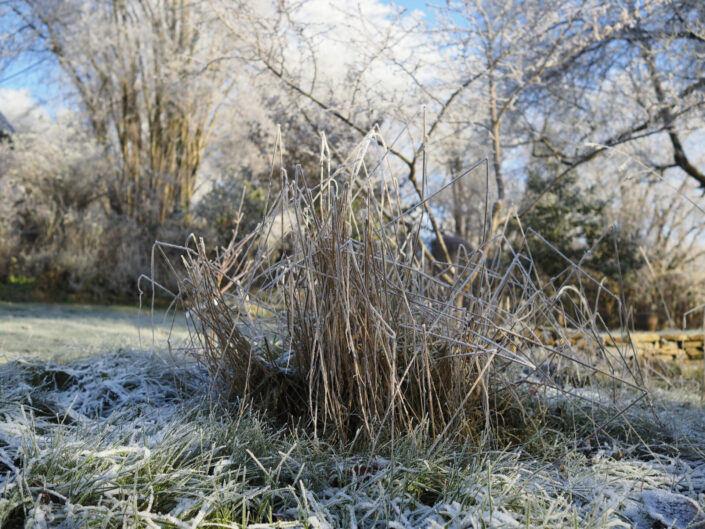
[(49, 330), (101, 429)]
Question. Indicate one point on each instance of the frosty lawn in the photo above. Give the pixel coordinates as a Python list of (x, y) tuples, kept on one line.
[(133, 439), (67, 330)]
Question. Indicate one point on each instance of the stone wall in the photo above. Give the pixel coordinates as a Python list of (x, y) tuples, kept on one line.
[(666, 346), (685, 348)]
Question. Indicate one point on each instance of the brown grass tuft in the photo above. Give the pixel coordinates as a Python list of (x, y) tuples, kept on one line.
[(351, 333)]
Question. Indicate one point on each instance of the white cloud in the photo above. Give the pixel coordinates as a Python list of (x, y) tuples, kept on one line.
[(21, 110)]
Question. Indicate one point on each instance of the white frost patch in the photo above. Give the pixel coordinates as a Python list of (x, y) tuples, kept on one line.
[(37, 517), (117, 427), (455, 515), (317, 523), (673, 510)]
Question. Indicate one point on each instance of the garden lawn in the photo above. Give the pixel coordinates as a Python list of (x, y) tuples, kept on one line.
[(110, 435), (50, 330)]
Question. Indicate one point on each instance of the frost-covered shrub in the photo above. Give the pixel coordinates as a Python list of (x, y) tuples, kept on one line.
[(9, 195), (60, 227), (56, 206), (63, 226)]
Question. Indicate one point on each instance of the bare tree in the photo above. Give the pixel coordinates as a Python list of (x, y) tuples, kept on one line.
[(481, 74), (641, 79), (381, 72), (570, 81), (145, 73)]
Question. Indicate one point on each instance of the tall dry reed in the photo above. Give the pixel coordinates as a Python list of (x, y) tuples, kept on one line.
[(350, 330)]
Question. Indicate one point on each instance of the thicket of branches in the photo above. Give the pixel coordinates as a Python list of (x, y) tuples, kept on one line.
[(593, 103)]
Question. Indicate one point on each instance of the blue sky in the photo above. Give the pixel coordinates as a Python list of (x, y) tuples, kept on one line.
[(416, 4), (34, 74), (31, 72), (40, 76)]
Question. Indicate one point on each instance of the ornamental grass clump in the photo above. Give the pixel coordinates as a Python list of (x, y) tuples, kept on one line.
[(338, 320)]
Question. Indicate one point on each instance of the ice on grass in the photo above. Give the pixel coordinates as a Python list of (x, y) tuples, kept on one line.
[(673, 510)]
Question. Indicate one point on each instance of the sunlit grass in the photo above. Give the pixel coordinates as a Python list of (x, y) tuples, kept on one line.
[(157, 452), (74, 330), (135, 439)]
